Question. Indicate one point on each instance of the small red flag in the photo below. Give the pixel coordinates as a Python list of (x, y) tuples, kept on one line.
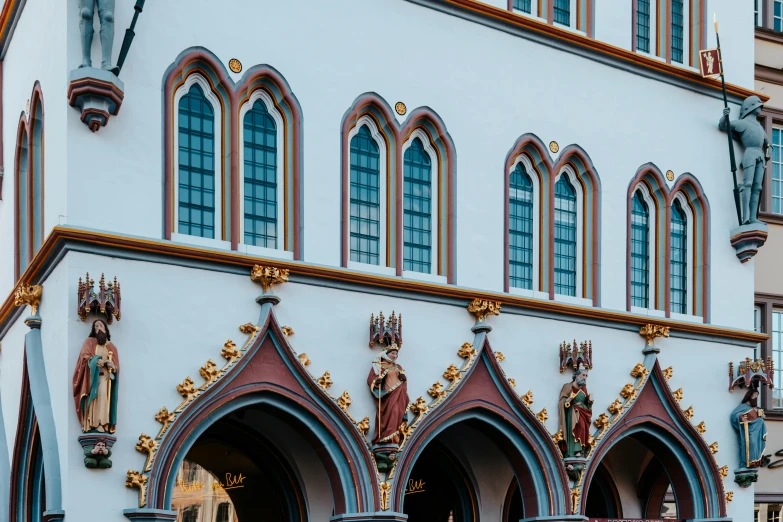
[(709, 62)]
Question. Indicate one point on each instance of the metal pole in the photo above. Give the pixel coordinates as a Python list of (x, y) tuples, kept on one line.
[(728, 128), (129, 34)]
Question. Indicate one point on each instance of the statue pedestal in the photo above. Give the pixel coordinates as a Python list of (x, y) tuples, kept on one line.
[(574, 467), (96, 93), (746, 476), (747, 239), (385, 455), (89, 441)]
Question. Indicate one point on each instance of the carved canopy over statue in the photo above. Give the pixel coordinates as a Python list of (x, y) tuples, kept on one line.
[(96, 381)]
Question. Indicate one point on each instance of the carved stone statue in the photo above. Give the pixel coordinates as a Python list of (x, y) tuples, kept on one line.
[(96, 381), (576, 409), (106, 18), (748, 420), (389, 386), (97, 456), (755, 142)]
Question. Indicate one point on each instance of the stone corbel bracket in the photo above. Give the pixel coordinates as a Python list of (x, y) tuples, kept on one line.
[(98, 94), (747, 239)]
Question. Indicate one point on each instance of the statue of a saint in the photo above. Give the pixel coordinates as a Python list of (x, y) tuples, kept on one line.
[(576, 409), (106, 18), (755, 142), (96, 381), (748, 420), (389, 386)]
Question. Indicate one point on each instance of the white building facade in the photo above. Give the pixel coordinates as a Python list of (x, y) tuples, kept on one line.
[(415, 156)]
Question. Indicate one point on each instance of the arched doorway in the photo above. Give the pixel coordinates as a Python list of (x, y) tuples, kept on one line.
[(250, 461)]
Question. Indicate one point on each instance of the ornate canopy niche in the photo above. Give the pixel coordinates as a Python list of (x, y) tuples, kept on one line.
[(682, 459), (485, 399), (265, 372)]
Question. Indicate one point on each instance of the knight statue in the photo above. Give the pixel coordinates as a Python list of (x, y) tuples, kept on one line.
[(106, 18)]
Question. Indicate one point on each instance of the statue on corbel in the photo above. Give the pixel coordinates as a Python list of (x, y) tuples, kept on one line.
[(96, 377), (389, 387), (747, 418), (575, 407)]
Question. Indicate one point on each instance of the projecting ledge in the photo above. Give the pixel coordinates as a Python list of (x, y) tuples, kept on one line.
[(747, 239), (98, 94)]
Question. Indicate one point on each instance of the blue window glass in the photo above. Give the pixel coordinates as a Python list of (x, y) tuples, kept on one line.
[(562, 12), (522, 5), (679, 259), (417, 206), (640, 252), (678, 31), (643, 25), (23, 217), (777, 15), (777, 170), (777, 358), (260, 188), (365, 198), (756, 12), (196, 165), (565, 237), (520, 229)]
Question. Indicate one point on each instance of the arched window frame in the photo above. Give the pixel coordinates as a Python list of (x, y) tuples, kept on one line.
[(426, 142), (653, 252), (568, 171), (654, 29), (381, 140), (263, 96), (691, 243), (217, 108), (535, 181), (22, 243)]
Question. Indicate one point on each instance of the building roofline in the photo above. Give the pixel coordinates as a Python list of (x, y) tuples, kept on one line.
[(9, 16)]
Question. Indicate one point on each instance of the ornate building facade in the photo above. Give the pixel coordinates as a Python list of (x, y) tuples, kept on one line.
[(486, 268)]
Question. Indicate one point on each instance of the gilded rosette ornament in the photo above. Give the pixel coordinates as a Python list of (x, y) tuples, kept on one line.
[(29, 295), (267, 276), (481, 308), (653, 331)]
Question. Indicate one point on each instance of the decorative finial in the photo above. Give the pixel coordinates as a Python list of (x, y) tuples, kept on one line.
[(652, 331), (267, 276), (481, 308), (105, 301), (29, 295)]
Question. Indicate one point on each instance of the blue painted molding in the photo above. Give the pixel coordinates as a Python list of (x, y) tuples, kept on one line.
[(42, 404)]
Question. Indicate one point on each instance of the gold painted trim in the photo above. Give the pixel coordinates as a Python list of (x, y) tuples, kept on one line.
[(60, 235)]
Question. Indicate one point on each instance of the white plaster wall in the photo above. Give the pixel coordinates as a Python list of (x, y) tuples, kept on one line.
[(11, 365), (35, 53), (489, 87), (614, 23)]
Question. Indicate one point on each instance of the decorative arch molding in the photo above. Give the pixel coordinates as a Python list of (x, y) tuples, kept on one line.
[(422, 121), (486, 399), (35, 460), (232, 96), (29, 183), (576, 161), (265, 372), (689, 190), (655, 418)]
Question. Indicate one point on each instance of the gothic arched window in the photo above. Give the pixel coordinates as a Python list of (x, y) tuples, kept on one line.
[(565, 237), (520, 229)]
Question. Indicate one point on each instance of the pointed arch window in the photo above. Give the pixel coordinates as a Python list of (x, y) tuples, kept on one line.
[(679, 259), (365, 196), (520, 229), (262, 193), (643, 25), (417, 207), (678, 31), (198, 187), (23, 203), (640, 252), (565, 237)]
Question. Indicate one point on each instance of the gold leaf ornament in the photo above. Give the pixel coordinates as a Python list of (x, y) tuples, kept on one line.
[(616, 407), (344, 401), (29, 295), (419, 407), (267, 276), (542, 416), (466, 351), (364, 426), (652, 331), (304, 359), (481, 308), (451, 373), (689, 413), (325, 380), (528, 398), (436, 391)]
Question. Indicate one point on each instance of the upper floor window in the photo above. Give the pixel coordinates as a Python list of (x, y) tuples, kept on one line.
[(22, 202), (679, 259), (565, 237), (756, 13), (417, 205), (640, 252), (562, 12), (777, 357), (397, 191), (777, 170), (678, 31), (261, 191), (777, 15), (232, 160), (520, 229), (365, 198), (197, 189), (643, 25), (523, 5)]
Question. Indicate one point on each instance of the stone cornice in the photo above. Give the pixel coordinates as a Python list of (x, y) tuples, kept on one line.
[(61, 240), (769, 74)]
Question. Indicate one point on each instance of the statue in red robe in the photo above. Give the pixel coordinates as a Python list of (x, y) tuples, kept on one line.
[(96, 381), (576, 410), (389, 387)]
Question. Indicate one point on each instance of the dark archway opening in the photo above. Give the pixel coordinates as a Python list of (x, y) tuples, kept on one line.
[(245, 466), (514, 510), (438, 489), (603, 500)]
